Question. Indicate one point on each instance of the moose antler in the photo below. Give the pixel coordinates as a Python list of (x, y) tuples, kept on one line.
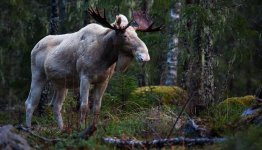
[(144, 24), (103, 21)]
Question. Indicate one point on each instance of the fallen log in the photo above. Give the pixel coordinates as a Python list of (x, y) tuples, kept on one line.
[(162, 142)]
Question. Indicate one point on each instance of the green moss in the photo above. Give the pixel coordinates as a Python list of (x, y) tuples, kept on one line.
[(224, 115), (243, 101), (157, 95)]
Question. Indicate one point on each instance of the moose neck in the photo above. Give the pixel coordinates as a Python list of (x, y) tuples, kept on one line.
[(109, 53), (112, 52)]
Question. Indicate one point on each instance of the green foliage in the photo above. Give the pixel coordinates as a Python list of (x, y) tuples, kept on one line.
[(23, 23), (121, 85), (235, 31)]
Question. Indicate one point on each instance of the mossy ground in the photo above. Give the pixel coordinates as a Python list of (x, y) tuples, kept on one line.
[(224, 115), (146, 120)]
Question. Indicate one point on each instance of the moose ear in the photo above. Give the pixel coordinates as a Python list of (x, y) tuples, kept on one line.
[(118, 20)]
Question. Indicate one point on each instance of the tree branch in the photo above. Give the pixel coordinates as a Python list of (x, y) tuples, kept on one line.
[(38, 136), (163, 142)]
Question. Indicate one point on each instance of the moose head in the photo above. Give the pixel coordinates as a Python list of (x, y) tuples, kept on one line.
[(125, 39)]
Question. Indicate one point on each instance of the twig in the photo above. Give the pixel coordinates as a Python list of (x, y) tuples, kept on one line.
[(162, 142), (20, 127), (171, 131)]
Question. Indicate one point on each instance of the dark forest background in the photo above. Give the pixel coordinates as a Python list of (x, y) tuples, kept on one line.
[(210, 48), (205, 71)]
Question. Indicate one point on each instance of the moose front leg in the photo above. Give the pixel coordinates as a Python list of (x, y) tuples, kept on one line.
[(84, 93), (99, 90), (57, 102)]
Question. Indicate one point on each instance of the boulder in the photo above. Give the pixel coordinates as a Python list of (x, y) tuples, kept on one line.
[(10, 140), (158, 95)]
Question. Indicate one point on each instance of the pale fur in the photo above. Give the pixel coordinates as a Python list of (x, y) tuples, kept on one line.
[(79, 59)]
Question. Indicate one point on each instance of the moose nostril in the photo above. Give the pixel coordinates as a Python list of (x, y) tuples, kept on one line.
[(142, 57)]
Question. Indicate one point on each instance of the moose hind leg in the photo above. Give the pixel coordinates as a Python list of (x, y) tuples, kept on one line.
[(32, 101), (60, 94)]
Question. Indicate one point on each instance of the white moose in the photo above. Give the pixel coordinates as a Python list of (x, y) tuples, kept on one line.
[(88, 56)]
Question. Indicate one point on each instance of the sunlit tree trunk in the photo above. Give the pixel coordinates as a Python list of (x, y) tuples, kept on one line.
[(169, 76)]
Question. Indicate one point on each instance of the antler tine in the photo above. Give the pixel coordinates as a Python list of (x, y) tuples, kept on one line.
[(150, 29), (102, 20), (144, 24)]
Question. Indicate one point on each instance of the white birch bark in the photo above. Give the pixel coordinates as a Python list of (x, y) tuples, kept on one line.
[(169, 76)]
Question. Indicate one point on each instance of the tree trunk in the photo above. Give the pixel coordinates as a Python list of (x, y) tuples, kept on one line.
[(86, 15), (207, 73), (54, 20), (62, 15), (207, 69), (200, 74), (193, 75), (53, 29), (169, 76)]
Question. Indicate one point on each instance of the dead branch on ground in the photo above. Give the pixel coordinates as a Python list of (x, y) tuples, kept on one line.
[(162, 142)]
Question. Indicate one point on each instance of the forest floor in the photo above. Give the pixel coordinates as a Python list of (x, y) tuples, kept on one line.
[(145, 124)]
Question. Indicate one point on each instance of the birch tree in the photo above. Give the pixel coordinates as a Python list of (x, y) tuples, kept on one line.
[(169, 76)]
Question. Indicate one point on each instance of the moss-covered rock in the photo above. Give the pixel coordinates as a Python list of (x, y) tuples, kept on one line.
[(242, 101), (158, 95), (224, 115)]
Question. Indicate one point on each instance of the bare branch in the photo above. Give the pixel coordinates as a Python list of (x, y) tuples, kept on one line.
[(38, 136), (162, 142)]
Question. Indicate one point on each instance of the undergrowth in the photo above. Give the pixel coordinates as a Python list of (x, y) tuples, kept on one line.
[(124, 121)]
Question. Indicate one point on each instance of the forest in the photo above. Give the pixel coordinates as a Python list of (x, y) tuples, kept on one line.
[(201, 89)]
